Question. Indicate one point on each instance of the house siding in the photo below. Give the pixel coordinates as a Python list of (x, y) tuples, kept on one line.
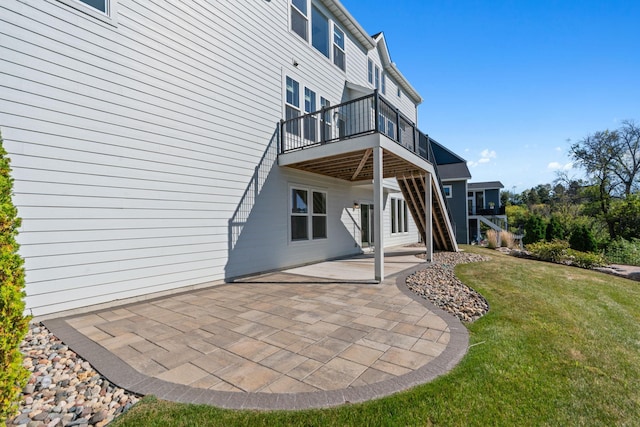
[(458, 207), (144, 150)]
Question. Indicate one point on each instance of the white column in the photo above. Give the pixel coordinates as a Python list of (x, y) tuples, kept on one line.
[(378, 226), (428, 209)]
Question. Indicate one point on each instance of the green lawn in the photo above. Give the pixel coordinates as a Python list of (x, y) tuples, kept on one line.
[(560, 346)]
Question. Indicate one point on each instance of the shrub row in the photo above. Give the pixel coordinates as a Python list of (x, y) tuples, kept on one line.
[(558, 251)]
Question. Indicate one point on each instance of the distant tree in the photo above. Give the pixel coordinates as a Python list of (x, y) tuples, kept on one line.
[(555, 229), (534, 229), (625, 215), (597, 154), (582, 239), (627, 156)]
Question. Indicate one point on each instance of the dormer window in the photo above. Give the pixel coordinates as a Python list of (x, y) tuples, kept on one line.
[(300, 18)]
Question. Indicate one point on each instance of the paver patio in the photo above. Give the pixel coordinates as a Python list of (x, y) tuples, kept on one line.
[(279, 340)]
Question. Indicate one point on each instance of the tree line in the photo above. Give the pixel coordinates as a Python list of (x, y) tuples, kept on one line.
[(602, 208)]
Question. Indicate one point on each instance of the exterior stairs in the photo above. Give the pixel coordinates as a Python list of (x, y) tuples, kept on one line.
[(413, 189)]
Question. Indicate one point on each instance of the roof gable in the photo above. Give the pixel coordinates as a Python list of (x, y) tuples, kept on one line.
[(390, 67)]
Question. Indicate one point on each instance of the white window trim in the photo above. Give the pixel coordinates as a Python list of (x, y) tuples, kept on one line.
[(309, 215), (309, 40), (109, 17), (450, 187)]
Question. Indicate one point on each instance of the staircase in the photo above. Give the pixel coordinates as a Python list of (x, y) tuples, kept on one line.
[(413, 189)]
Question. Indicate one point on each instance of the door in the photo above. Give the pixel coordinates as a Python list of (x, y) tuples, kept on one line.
[(366, 225)]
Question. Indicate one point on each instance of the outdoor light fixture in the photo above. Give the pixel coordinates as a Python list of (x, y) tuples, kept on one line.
[(356, 205)]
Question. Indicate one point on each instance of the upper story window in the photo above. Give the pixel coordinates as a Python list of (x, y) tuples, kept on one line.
[(383, 88), (338, 48), (310, 23), (310, 122), (377, 77), (399, 93), (101, 5), (300, 18), (370, 71), (320, 31), (448, 191)]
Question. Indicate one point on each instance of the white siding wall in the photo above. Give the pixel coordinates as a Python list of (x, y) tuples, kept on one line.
[(143, 149)]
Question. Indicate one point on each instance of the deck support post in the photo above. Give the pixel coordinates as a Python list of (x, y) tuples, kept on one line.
[(428, 229), (378, 223)]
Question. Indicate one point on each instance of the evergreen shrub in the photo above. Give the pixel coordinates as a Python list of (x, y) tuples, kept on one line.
[(14, 324)]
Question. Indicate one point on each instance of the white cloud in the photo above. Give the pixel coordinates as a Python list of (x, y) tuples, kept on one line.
[(485, 157), (559, 149), (488, 154), (556, 166)]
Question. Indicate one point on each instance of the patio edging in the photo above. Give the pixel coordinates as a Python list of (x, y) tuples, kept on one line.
[(121, 374)]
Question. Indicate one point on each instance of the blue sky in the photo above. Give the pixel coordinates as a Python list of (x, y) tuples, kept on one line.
[(509, 85)]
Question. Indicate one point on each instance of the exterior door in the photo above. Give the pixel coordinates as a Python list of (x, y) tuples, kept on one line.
[(366, 225)]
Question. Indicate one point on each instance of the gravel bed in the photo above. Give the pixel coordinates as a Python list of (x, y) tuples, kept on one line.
[(438, 284), (64, 389)]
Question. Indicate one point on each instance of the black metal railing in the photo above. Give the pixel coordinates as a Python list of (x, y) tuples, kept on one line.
[(366, 115), (489, 211), (362, 116)]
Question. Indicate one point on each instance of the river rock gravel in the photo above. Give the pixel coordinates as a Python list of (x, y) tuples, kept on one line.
[(64, 389), (438, 284)]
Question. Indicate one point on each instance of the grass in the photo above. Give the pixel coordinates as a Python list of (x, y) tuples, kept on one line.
[(560, 346)]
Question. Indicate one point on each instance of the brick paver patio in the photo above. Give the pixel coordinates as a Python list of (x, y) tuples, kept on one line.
[(278, 340)]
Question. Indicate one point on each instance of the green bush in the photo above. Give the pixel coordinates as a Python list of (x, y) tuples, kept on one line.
[(555, 251), (585, 259), (534, 229), (582, 239), (621, 251), (559, 252), (555, 229), (13, 324)]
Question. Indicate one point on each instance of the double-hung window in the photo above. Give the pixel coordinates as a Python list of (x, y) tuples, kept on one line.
[(383, 88), (370, 71), (310, 121), (300, 18), (319, 31), (308, 215), (377, 77), (338, 48), (292, 107)]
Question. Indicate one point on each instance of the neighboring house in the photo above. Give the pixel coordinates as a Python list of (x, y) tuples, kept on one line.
[(157, 146), (484, 207)]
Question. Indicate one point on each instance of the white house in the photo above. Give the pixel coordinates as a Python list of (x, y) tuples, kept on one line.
[(150, 154)]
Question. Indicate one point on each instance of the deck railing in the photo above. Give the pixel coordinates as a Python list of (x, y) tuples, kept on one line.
[(362, 116), (366, 115)]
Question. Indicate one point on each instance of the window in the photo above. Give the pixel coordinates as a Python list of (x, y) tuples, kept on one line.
[(101, 5), (299, 18), (320, 31), (377, 77), (448, 191), (308, 214), (292, 107), (370, 71), (310, 122), (399, 216), (384, 85), (338, 48), (319, 217), (399, 93)]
